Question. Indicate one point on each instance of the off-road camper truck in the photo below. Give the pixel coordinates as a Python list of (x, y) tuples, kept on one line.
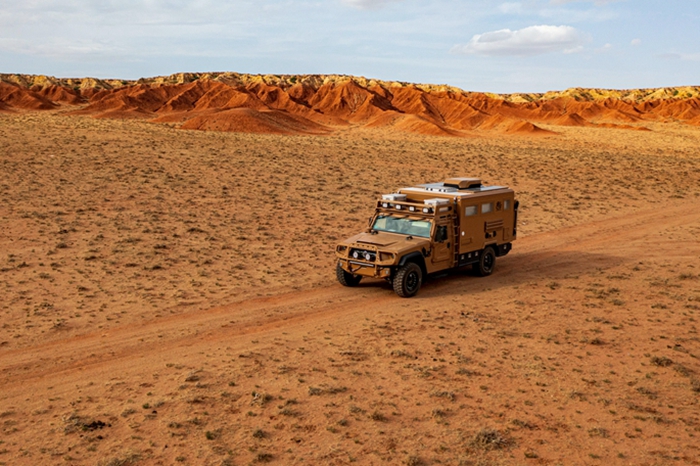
[(430, 228)]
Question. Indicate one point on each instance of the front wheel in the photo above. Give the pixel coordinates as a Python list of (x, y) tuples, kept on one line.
[(408, 280), (346, 278), (486, 263)]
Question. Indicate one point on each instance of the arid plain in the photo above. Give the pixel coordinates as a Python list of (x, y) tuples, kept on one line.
[(168, 297)]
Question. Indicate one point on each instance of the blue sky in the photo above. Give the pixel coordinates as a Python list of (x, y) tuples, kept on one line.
[(501, 46)]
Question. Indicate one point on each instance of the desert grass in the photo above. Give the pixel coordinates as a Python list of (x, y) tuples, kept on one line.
[(169, 298)]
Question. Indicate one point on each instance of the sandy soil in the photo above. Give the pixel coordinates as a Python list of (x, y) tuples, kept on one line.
[(168, 298)]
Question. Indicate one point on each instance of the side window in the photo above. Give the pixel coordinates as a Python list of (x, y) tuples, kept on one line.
[(441, 234), (506, 204), (486, 208), (470, 210)]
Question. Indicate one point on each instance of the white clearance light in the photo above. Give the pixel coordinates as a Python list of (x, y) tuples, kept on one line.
[(398, 207), (426, 210), (412, 209), (385, 204)]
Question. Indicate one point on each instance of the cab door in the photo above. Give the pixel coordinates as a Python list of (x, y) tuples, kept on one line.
[(443, 245)]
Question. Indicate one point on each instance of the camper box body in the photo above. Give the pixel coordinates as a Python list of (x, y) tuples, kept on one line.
[(474, 216)]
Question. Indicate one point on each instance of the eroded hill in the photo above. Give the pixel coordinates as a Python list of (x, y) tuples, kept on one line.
[(321, 104)]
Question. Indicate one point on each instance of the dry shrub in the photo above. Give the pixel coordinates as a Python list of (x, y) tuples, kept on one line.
[(490, 439), (695, 385), (414, 460), (126, 459), (661, 361)]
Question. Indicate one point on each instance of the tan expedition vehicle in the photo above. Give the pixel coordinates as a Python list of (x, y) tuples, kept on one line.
[(431, 228)]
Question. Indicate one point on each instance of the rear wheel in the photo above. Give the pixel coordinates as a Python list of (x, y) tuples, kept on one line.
[(408, 280), (486, 263), (346, 278)]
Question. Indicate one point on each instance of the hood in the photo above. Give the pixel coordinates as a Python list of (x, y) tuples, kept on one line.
[(387, 241)]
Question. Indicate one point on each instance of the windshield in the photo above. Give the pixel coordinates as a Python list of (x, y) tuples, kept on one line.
[(402, 225)]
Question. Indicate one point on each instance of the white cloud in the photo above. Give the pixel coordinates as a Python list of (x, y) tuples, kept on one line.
[(509, 8), (595, 2), (636, 42), (368, 4), (573, 15), (556, 11), (604, 48), (577, 49), (61, 48), (533, 40), (680, 56)]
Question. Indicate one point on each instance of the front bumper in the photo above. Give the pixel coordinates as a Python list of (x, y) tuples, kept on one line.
[(365, 269)]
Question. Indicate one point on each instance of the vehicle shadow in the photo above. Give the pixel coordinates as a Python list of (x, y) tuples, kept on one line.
[(512, 270)]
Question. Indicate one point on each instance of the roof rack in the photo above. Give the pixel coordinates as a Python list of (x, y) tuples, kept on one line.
[(428, 206)]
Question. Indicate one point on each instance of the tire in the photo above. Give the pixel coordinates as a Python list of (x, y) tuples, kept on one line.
[(346, 278), (486, 263), (408, 280)]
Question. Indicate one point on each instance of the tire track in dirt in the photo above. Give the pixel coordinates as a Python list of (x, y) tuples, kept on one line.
[(184, 330), (599, 244)]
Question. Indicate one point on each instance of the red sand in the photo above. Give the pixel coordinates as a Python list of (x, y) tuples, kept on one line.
[(253, 121)]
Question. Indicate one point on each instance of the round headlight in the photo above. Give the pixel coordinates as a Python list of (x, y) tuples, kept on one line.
[(368, 256), (356, 255)]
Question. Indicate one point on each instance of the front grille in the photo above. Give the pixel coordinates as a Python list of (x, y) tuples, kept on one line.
[(363, 254)]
